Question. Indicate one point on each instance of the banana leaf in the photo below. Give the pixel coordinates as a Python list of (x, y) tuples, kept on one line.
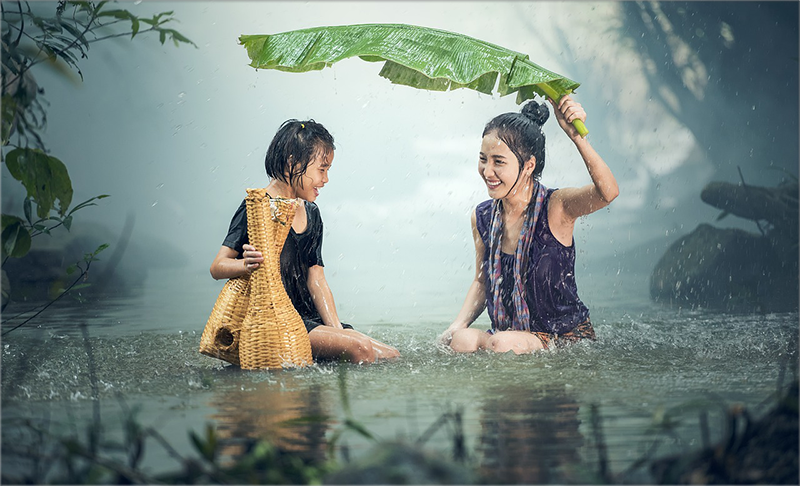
[(414, 56)]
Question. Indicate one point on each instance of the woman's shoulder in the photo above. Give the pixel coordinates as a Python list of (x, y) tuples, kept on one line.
[(483, 213), (484, 206), (483, 210)]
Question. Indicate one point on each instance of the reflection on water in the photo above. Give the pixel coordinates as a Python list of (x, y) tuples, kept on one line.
[(290, 417), (529, 436)]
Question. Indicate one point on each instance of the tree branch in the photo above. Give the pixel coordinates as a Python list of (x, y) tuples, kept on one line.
[(85, 272)]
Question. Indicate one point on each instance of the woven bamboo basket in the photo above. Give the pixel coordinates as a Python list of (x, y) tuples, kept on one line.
[(271, 333), (220, 337)]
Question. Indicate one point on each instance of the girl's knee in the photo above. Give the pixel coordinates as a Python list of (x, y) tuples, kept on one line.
[(362, 351)]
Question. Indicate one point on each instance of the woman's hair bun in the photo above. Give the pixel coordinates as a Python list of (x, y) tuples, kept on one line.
[(536, 112)]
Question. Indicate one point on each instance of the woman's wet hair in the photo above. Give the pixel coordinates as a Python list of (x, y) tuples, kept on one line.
[(522, 132), (294, 146)]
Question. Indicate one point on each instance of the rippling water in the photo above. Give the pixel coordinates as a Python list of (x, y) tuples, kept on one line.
[(525, 418)]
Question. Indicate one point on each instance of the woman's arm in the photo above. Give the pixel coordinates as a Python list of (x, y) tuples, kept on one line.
[(475, 302), (322, 296), (226, 265), (575, 202)]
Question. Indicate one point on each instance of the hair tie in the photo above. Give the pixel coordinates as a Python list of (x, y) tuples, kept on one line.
[(302, 125)]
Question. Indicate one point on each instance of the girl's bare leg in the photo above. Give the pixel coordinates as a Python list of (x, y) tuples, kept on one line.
[(330, 343), (382, 351)]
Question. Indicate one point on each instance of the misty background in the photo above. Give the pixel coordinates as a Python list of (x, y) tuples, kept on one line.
[(176, 135)]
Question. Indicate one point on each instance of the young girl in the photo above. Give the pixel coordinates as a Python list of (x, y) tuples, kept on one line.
[(524, 250), (297, 162)]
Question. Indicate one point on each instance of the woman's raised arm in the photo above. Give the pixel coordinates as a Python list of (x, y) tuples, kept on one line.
[(575, 202)]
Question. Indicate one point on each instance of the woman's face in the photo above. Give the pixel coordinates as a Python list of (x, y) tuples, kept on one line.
[(498, 166), (316, 176)]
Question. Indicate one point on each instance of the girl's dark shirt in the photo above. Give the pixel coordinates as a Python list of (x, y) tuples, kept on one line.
[(300, 252), (550, 289)]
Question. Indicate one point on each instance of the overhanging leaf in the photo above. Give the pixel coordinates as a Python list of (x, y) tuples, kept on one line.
[(413, 56)]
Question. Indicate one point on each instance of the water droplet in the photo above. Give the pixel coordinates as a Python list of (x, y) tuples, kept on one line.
[(154, 204)]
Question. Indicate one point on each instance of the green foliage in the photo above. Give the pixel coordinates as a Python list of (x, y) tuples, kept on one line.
[(83, 267), (206, 446), (33, 34), (414, 56), (16, 238), (44, 177)]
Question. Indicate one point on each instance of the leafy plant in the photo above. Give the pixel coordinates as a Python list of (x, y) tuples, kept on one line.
[(33, 35)]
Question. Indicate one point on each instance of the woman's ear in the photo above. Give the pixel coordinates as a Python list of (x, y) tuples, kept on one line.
[(529, 166)]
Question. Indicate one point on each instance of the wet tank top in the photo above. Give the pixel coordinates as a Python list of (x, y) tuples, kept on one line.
[(550, 287)]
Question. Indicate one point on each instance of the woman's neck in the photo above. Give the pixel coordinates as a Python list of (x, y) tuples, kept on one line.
[(516, 201), (278, 188)]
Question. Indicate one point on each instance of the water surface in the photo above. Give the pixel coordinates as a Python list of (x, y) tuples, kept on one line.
[(533, 419)]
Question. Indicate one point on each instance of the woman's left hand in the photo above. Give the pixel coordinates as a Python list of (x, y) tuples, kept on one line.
[(566, 112)]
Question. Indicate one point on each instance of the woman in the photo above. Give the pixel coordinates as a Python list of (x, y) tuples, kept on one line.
[(297, 162), (524, 250)]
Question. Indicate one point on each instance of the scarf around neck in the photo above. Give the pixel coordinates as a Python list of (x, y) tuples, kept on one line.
[(521, 320)]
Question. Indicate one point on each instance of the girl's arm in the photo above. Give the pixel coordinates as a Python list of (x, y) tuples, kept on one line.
[(574, 202), (226, 265), (475, 302), (322, 296)]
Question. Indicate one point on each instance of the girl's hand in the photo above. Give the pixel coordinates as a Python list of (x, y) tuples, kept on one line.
[(252, 258), (566, 111)]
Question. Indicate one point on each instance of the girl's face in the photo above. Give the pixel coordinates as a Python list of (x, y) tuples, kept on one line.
[(316, 176), (498, 166)]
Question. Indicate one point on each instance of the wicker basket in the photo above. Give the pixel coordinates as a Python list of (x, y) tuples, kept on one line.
[(220, 337), (270, 332)]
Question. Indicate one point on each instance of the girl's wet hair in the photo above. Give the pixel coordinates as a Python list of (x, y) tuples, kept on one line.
[(522, 132), (293, 148)]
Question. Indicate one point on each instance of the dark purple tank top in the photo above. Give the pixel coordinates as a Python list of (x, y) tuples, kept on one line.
[(551, 291)]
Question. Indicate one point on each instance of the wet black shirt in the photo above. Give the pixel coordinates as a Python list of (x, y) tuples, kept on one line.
[(300, 252)]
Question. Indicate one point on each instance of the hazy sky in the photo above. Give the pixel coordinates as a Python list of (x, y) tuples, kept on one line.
[(175, 135)]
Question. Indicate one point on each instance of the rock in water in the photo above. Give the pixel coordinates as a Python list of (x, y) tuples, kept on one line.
[(732, 269)]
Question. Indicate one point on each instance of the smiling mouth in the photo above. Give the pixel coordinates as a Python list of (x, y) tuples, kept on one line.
[(492, 184)]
